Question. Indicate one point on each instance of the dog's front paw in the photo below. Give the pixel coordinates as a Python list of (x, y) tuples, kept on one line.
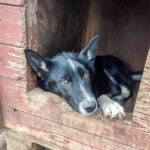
[(110, 108)]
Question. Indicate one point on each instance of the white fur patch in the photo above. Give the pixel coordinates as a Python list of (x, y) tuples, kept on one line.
[(110, 77), (71, 64), (43, 66), (85, 93), (136, 77), (124, 92), (110, 108)]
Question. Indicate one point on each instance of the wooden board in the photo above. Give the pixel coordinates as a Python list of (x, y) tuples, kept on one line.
[(142, 107), (52, 108), (12, 62), (12, 25), (1, 126), (59, 134), (61, 25), (13, 2)]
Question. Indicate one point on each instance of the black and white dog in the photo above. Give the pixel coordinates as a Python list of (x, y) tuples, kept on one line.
[(81, 78)]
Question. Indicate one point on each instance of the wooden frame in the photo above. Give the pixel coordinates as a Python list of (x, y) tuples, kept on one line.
[(46, 116)]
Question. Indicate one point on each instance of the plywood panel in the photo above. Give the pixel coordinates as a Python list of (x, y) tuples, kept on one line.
[(12, 25)]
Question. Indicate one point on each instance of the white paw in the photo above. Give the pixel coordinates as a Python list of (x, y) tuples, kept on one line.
[(110, 108)]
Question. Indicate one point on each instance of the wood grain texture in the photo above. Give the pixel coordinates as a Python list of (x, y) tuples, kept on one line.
[(31, 31), (12, 62), (58, 134), (13, 139), (1, 124), (12, 25), (13, 2), (61, 25), (142, 107), (52, 108), (93, 22)]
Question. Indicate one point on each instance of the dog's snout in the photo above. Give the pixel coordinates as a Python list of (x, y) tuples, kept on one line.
[(89, 107)]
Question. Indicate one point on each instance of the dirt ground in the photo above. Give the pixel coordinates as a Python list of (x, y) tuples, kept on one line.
[(2, 140)]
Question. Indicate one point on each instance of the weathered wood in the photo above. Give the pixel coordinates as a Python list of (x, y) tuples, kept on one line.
[(93, 22), (31, 26), (12, 25), (122, 34), (59, 134), (61, 32), (53, 108), (12, 62), (1, 124), (46, 116), (19, 141), (13, 92), (13, 2), (142, 106)]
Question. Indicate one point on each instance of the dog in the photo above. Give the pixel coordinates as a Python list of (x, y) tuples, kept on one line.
[(86, 81)]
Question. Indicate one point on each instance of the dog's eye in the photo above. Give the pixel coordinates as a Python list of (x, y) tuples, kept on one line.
[(85, 75), (63, 81)]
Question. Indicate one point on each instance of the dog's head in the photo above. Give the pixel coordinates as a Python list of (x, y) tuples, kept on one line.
[(68, 75)]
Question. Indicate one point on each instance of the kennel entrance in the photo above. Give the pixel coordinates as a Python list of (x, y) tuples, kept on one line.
[(45, 117)]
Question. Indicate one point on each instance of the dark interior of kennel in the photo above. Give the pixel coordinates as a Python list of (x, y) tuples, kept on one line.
[(123, 26)]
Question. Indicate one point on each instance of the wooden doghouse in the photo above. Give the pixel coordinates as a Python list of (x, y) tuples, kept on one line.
[(35, 119)]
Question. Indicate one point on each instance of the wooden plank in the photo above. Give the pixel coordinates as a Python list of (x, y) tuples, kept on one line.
[(12, 62), (0, 120), (13, 92), (30, 142), (13, 2), (65, 31), (55, 109), (12, 25), (94, 22), (142, 108), (58, 134)]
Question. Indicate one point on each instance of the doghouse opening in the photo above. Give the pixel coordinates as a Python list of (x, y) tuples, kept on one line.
[(123, 27)]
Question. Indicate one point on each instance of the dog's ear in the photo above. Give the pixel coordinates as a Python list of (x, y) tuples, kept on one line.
[(91, 49), (37, 62)]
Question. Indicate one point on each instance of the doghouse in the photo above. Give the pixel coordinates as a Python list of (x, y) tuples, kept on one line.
[(35, 119)]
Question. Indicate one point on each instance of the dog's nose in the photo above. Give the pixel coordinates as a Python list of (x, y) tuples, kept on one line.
[(90, 106), (90, 109)]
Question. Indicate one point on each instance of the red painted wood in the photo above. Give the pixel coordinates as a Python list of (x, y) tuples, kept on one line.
[(59, 134), (54, 109), (12, 62), (13, 2), (12, 25), (13, 92)]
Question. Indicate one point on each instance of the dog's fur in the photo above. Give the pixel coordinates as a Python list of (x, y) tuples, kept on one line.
[(81, 78)]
